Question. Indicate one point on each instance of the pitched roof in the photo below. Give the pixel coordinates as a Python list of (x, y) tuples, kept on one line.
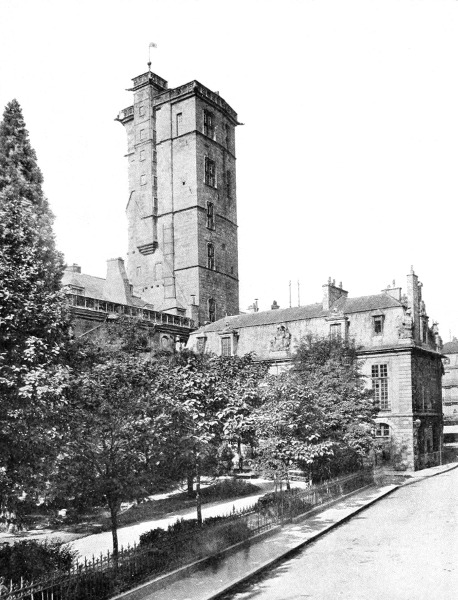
[(94, 287), (301, 313), (363, 303), (450, 348)]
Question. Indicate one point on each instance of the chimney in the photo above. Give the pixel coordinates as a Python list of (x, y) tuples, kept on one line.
[(331, 293), (394, 292), (117, 287), (74, 268), (413, 301)]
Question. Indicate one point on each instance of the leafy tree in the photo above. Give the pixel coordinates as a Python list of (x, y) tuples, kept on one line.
[(287, 429), (115, 423), (329, 372), (203, 388), (33, 317), (317, 416)]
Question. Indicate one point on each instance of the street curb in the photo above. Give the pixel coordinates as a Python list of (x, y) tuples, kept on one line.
[(287, 553), (417, 479)]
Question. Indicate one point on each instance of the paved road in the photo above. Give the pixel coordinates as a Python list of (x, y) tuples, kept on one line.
[(403, 548)]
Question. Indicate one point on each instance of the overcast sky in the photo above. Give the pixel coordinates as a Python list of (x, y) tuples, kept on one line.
[(347, 160)]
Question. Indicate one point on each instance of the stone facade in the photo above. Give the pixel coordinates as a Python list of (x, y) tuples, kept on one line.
[(400, 353), (450, 388), (182, 217), (95, 302)]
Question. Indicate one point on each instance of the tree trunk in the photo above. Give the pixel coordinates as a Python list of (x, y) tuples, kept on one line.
[(190, 479), (114, 507), (198, 497)]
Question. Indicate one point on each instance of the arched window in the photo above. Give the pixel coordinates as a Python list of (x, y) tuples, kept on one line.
[(382, 430)]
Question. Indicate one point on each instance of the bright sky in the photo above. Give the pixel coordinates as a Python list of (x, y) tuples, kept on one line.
[(347, 162)]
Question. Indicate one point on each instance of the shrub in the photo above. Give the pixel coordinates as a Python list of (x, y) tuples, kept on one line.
[(31, 559)]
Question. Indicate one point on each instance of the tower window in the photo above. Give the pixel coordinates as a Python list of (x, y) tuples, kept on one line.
[(210, 172), (141, 111), (380, 386), (209, 126), (143, 179), (378, 325), (142, 155), (210, 216), (211, 310), (211, 256), (227, 131), (142, 134), (228, 183), (179, 123)]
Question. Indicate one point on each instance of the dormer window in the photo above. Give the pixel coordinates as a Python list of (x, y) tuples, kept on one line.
[(78, 291), (378, 324)]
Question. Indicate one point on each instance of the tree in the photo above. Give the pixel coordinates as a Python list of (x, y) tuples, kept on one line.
[(317, 416), (33, 317), (329, 372), (287, 428), (207, 392), (116, 423)]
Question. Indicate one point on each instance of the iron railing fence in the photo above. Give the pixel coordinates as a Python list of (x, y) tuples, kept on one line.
[(105, 576)]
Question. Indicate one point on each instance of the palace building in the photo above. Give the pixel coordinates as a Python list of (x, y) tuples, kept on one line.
[(400, 353)]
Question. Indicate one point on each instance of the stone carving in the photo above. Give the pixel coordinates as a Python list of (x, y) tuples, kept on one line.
[(406, 328), (282, 340)]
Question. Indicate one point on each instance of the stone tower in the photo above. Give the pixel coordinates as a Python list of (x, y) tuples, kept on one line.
[(182, 213)]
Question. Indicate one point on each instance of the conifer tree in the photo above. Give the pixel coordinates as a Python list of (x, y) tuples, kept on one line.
[(33, 316)]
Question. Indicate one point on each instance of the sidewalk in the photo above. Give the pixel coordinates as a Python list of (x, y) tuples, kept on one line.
[(209, 579)]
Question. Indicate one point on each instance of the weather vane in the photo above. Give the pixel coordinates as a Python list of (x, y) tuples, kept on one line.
[(151, 45)]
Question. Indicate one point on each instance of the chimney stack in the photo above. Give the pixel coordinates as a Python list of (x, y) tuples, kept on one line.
[(331, 293)]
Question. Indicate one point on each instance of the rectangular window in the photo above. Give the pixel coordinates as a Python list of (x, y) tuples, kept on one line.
[(210, 172), (210, 216), (143, 179), (378, 325), (211, 310), (142, 155), (336, 331), (142, 134), (225, 346), (228, 183), (380, 386), (210, 256), (209, 127), (154, 156), (141, 111), (179, 123), (155, 182), (227, 131)]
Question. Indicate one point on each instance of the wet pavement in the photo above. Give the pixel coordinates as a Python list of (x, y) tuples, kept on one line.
[(403, 548)]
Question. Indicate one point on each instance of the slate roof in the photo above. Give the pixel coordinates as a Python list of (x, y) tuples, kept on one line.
[(450, 348), (301, 313), (94, 286)]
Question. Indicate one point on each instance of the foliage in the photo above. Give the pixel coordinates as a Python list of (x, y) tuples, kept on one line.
[(115, 424), (318, 416), (330, 372), (201, 388), (189, 537), (31, 560), (33, 318)]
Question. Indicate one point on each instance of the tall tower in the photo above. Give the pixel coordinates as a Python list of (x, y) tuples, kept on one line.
[(182, 213)]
